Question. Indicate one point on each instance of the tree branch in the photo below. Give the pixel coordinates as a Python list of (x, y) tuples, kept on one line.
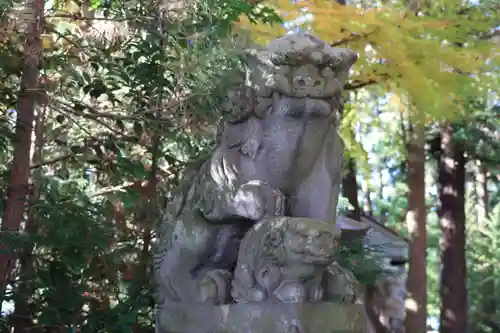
[(354, 36), (110, 189), (360, 84), (52, 161), (491, 35)]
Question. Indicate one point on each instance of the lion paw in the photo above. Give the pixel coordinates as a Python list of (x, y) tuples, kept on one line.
[(215, 287), (257, 199), (290, 292), (246, 295), (316, 293)]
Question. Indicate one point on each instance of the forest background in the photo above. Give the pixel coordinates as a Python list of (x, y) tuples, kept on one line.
[(105, 103)]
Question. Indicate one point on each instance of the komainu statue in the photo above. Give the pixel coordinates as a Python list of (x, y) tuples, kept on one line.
[(254, 234), (284, 259)]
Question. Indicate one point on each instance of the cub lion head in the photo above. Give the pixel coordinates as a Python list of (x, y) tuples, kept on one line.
[(299, 240)]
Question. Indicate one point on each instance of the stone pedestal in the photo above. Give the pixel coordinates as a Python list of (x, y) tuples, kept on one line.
[(265, 317)]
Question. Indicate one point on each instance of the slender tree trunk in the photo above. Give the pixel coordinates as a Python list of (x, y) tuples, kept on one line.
[(482, 192), (372, 309), (23, 312), (416, 303), (350, 189), (452, 216), (367, 202), (19, 177), (150, 200), (349, 183), (488, 305), (380, 190)]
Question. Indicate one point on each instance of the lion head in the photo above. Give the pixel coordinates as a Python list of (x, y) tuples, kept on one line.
[(296, 66), (300, 240)]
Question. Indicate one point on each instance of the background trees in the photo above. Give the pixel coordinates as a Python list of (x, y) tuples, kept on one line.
[(120, 99)]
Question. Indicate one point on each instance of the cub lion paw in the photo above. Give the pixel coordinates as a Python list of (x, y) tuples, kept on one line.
[(215, 287), (290, 292), (316, 293)]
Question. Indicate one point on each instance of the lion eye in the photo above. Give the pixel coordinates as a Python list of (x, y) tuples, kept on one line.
[(275, 239), (327, 72)]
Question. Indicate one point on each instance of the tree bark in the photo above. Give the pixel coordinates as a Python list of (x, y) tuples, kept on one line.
[(416, 303), (380, 190), (367, 202), (349, 183), (451, 181), (482, 192), (350, 189), (488, 305), (372, 310), (23, 311), (19, 177)]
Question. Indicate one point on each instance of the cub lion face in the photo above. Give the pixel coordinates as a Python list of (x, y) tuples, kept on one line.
[(302, 240)]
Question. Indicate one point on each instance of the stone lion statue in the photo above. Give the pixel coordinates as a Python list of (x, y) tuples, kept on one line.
[(284, 259), (192, 261), (286, 111), (278, 154)]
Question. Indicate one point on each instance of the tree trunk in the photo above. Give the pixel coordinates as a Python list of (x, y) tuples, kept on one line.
[(373, 310), (451, 182), (488, 304), (482, 192), (150, 200), (19, 177), (384, 305), (23, 311), (380, 190), (416, 303), (367, 202), (350, 189)]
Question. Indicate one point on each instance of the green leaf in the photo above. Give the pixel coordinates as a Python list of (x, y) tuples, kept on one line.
[(86, 77), (120, 124), (94, 4)]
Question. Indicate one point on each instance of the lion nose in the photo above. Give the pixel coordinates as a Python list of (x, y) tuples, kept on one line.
[(325, 242), (307, 82), (314, 233)]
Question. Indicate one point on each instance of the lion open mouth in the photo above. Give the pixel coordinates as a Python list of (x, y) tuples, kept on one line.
[(316, 254), (298, 107)]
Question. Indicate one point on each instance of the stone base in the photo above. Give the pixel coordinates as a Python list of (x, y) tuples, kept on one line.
[(319, 317)]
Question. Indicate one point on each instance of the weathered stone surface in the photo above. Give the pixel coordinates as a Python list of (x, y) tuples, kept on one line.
[(256, 225), (299, 65), (265, 317), (284, 259)]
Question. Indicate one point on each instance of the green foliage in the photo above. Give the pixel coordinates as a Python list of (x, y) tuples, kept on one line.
[(367, 263), (483, 253), (434, 268), (72, 233), (423, 56), (126, 102), (479, 132)]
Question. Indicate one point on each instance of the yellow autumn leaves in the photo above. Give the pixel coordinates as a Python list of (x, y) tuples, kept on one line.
[(415, 52)]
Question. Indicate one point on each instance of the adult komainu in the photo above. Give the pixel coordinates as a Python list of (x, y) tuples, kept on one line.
[(279, 154), (200, 233)]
